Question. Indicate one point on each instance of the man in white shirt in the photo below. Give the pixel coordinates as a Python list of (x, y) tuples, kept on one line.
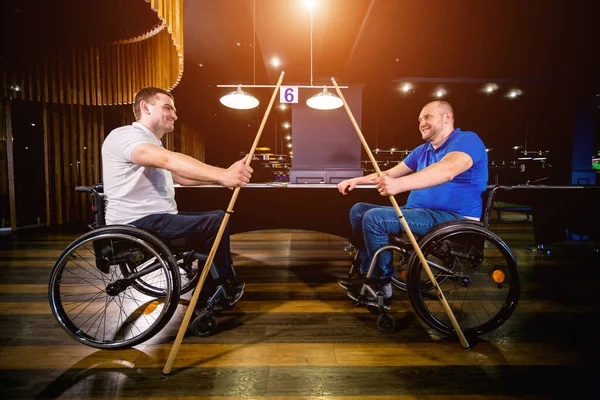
[(139, 175)]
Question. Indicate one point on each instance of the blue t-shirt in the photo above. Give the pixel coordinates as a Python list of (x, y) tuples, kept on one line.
[(463, 193)]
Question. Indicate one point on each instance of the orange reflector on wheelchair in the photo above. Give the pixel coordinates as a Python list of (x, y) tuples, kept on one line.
[(498, 276), (403, 274), (151, 307)]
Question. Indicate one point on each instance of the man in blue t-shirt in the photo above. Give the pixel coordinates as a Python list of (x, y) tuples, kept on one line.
[(445, 176)]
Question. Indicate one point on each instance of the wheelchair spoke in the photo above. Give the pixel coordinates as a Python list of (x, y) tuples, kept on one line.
[(112, 289)]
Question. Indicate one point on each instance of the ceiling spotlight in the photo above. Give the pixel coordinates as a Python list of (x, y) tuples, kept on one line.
[(406, 87), (239, 100), (275, 62), (440, 93), (286, 125), (490, 88), (513, 93)]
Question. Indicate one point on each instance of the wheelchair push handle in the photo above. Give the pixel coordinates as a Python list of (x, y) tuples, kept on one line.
[(97, 193), (97, 188)]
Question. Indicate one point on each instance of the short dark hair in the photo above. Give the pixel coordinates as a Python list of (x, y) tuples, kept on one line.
[(146, 94)]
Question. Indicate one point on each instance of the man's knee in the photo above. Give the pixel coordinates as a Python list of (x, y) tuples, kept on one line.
[(357, 210), (372, 218)]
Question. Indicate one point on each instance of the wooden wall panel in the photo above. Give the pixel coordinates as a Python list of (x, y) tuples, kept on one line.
[(111, 72), (193, 142), (73, 85)]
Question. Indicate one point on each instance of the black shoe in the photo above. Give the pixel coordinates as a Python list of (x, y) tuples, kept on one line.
[(235, 291), (348, 283)]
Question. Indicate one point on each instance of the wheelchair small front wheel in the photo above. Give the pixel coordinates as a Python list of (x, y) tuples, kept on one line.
[(205, 324), (386, 323)]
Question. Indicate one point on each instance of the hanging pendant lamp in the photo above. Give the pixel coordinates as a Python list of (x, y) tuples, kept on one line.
[(239, 100), (324, 101)]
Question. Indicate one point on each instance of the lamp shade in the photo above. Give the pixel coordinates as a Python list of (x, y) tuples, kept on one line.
[(239, 100), (324, 101)]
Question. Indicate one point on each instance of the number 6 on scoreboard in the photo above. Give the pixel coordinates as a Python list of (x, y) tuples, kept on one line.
[(288, 94)]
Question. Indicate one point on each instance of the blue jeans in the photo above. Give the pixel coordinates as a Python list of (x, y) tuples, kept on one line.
[(199, 229), (373, 224)]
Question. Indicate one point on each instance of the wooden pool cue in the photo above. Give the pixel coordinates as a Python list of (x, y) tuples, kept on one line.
[(213, 250), (438, 290)]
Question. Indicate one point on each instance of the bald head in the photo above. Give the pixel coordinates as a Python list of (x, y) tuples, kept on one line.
[(443, 107)]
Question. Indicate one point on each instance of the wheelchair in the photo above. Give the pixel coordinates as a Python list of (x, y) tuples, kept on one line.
[(475, 269), (117, 285)]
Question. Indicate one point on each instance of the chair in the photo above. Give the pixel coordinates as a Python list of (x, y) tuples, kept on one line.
[(117, 285), (474, 268)]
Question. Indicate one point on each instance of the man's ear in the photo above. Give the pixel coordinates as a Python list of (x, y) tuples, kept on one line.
[(144, 107)]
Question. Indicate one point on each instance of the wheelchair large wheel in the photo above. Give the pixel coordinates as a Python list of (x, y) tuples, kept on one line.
[(98, 288), (477, 274)]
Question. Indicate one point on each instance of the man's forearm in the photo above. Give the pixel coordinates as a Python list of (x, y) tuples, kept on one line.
[(433, 175), (190, 169)]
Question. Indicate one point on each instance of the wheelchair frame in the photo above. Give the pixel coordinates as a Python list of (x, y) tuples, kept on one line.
[(474, 266), (118, 285)]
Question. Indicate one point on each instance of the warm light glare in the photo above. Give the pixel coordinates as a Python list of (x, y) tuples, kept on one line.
[(286, 125), (282, 106), (289, 145), (275, 62), (310, 4), (288, 137)]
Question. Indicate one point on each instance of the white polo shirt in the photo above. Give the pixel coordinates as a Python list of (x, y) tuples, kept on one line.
[(133, 191)]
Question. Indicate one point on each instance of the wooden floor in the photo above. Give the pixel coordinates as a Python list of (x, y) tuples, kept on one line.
[(295, 335)]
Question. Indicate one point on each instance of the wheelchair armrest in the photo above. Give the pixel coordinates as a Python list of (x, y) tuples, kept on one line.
[(402, 240)]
